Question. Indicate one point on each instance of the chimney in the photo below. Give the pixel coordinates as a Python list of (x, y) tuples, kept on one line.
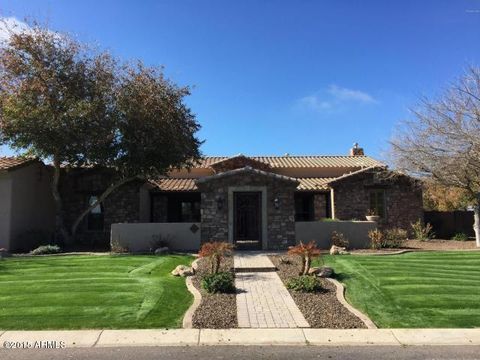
[(356, 150)]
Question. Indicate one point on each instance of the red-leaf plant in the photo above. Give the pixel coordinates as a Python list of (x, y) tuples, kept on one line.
[(215, 251), (307, 252)]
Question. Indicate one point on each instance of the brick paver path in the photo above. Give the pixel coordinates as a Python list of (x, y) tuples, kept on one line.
[(263, 301), (252, 261)]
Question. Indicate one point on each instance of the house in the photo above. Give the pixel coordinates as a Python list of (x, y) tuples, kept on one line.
[(26, 207), (260, 202)]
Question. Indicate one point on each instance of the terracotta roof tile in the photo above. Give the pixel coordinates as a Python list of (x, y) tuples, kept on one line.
[(173, 184), (303, 161), (312, 184), (9, 163)]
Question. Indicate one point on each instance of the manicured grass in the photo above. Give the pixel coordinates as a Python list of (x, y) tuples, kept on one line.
[(419, 290), (86, 292)]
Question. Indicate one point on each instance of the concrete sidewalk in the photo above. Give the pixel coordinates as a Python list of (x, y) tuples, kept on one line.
[(195, 337)]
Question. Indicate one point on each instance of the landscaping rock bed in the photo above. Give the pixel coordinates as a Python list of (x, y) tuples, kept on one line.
[(440, 245), (216, 311), (322, 309)]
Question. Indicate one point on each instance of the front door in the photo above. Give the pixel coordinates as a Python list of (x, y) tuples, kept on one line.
[(247, 222)]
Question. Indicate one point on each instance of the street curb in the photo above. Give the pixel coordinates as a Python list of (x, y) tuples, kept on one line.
[(245, 337), (341, 297), (197, 299)]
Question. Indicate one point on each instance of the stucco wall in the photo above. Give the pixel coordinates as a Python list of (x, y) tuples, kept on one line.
[(321, 232), (5, 209), (140, 237), (32, 206)]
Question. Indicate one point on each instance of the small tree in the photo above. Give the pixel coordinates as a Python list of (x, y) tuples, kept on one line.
[(307, 252), (67, 104), (442, 141), (215, 251)]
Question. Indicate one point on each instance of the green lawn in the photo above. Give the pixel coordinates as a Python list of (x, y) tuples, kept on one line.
[(86, 292), (427, 289)]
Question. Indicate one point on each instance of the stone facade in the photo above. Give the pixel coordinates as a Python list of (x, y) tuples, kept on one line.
[(280, 222), (403, 198), (159, 208), (320, 206), (123, 205)]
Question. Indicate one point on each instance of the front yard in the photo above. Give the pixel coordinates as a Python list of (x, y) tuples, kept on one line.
[(86, 292), (418, 290)]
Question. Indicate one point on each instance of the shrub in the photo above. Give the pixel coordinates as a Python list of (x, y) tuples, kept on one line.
[(115, 247), (215, 251), (46, 249), (307, 252), (376, 239), (329, 220), (460, 237), (160, 241), (220, 282), (422, 232), (394, 238), (338, 239), (304, 283)]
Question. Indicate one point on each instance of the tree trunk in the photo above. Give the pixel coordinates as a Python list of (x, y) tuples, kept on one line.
[(60, 228), (307, 265), (476, 223), (100, 199)]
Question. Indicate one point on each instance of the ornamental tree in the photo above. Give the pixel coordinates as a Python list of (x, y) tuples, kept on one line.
[(442, 140), (307, 252), (71, 106)]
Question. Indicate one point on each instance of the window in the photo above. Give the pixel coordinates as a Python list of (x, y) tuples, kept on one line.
[(95, 217), (183, 207), (190, 211), (377, 202), (304, 207)]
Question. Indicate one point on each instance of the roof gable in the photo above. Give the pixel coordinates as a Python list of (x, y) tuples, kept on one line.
[(247, 170), (237, 162)]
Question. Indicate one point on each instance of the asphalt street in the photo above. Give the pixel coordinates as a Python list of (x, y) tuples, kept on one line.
[(250, 353)]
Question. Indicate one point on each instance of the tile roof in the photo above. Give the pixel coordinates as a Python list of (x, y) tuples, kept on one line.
[(9, 163), (311, 184), (303, 161), (173, 184)]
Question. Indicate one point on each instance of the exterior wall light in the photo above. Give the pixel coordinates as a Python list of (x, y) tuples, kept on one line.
[(219, 199), (276, 203)]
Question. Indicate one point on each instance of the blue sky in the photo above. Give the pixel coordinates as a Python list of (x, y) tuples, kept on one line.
[(274, 77)]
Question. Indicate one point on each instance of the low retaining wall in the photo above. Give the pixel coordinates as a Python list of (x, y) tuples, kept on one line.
[(321, 231), (141, 237)]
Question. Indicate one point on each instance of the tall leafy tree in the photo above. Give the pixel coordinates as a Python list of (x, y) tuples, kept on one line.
[(442, 140), (67, 104)]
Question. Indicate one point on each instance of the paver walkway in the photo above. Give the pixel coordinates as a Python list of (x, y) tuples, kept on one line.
[(262, 299)]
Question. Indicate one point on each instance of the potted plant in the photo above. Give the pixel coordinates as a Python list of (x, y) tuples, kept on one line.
[(372, 215)]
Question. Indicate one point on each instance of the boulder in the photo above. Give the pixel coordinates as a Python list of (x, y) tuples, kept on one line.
[(325, 272), (183, 270), (162, 251), (338, 250)]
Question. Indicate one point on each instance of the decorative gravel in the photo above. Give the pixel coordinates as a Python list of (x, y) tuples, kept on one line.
[(440, 245), (216, 311), (416, 245), (321, 309)]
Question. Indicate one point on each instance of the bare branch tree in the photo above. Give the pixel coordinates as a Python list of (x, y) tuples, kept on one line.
[(442, 141)]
